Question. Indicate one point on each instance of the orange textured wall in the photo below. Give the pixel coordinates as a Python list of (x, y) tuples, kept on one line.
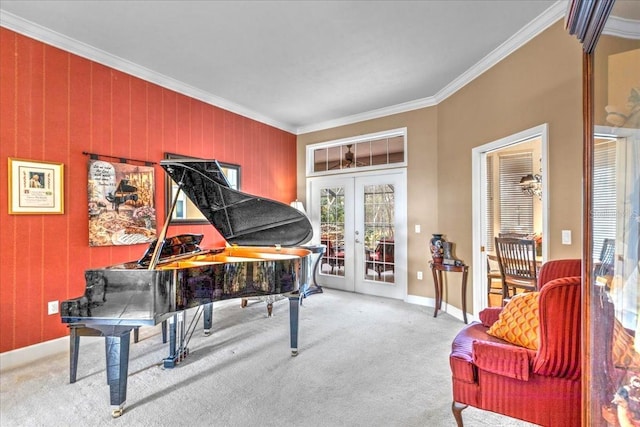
[(53, 106)]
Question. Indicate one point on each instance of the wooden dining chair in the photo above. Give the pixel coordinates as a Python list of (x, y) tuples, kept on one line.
[(514, 235), (604, 266), (493, 276), (517, 262)]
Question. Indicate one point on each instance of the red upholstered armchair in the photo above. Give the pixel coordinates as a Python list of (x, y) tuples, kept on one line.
[(539, 386)]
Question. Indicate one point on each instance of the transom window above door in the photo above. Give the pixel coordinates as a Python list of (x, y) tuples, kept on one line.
[(372, 151)]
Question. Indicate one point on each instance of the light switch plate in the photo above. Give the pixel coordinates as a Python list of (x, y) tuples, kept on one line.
[(566, 237), (52, 307), (417, 228)]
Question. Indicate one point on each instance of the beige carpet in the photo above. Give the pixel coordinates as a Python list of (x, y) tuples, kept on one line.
[(364, 361)]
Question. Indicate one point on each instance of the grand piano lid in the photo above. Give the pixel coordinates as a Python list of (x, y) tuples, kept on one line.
[(241, 218)]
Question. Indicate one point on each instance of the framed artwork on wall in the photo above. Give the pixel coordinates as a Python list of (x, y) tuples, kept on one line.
[(35, 187), (121, 202)]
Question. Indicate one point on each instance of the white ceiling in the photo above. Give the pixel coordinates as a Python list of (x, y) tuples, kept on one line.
[(297, 65)]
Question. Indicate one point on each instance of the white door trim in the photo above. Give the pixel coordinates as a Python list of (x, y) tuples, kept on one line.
[(401, 232), (478, 196)]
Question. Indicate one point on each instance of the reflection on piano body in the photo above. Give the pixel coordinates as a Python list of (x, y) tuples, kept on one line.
[(262, 259)]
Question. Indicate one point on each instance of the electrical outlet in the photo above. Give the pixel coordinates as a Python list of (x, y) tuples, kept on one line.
[(417, 228), (419, 275), (52, 307)]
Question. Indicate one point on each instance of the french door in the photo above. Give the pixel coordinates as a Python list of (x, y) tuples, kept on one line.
[(361, 218)]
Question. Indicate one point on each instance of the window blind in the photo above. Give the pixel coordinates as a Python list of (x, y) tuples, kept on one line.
[(489, 205), (604, 194), (516, 208)]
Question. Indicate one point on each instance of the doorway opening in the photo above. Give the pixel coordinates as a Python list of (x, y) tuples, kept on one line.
[(356, 199), (509, 197), (361, 218)]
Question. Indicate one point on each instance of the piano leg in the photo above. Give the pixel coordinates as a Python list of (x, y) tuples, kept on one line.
[(74, 347), (117, 348), (208, 319), (177, 340), (75, 332), (294, 304)]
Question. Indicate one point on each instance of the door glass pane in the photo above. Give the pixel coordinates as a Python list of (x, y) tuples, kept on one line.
[(320, 159), (369, 152), (379, 201), (332, 230), (363, 154), (380, 152), (396, 149), (333, 153), (614, 285)]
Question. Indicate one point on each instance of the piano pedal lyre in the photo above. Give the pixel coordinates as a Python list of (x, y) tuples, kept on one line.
[(177, 340)]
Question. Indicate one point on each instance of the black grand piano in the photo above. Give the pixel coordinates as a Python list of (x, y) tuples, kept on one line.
[(175, 274)]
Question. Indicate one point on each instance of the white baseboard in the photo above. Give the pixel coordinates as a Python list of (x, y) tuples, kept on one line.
[(26, 355), (446, 308)]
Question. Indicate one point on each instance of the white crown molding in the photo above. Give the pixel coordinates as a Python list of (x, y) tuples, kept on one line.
[(620, 27), (45, 35), (528, 32), (53, 38), (369, 115), (544, 21)]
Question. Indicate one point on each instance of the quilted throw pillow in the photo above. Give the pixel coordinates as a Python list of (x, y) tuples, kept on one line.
[(624, 354), (518, 322)]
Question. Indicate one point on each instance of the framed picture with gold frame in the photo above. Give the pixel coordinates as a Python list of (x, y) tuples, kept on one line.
[(35, 187)]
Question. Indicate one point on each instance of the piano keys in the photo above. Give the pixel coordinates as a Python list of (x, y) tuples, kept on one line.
[(262, 258)]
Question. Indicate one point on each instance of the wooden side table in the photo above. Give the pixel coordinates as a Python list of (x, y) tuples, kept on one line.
[(436, 270)]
